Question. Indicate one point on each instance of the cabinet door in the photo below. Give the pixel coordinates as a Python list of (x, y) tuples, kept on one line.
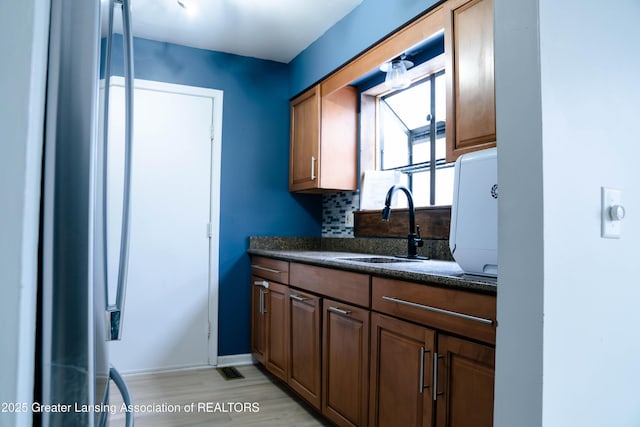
[(304, 345), (305, 141), (345, 363), (277, 312), (338, 140), (466, 372), (259, 294), (401, 371), (471, 111)]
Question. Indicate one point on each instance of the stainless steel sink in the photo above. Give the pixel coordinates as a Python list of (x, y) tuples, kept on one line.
[(380, 260)]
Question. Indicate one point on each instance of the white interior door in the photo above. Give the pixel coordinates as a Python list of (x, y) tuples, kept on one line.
[(172, 291)]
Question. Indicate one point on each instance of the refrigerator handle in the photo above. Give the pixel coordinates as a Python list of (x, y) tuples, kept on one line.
[(115, 311), (124, 391)]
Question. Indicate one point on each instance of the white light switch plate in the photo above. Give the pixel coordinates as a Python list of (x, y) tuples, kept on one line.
[(611, 229)]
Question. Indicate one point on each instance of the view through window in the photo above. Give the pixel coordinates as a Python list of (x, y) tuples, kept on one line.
[(411, 139)]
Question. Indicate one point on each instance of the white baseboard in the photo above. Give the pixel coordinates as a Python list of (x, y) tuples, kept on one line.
[(235, 360), (223, 361), (160, 370)]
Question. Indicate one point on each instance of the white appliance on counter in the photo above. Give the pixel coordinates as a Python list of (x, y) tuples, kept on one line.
[(473, 238)]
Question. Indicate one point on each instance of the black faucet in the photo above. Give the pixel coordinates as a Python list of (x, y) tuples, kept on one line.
[(414, 240)]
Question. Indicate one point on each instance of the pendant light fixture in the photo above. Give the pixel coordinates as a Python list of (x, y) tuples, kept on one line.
[(396, 70)]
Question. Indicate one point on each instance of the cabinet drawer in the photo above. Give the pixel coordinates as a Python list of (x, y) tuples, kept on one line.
[(270, 269), (342, 285), (465, 313)]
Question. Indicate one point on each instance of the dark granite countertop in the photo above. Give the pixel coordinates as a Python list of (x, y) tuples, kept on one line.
[(437, 272)]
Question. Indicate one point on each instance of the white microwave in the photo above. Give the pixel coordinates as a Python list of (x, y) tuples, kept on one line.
[(473, 237)]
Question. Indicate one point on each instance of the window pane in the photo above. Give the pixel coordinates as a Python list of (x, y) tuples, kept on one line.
[(412, 105), (441, 100), (421, 151), (441, 148), (444, 186), (405, 139), (421, 188), (395, 146)]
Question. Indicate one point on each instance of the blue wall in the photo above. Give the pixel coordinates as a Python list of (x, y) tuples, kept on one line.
[(255, 163), (367, 24)]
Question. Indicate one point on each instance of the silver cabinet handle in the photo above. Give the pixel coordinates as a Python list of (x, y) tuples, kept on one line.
[(339, 311), (313, 168), (297, 297), (439, 310), (422, 385), (263, 306), (436, 356), (262, 283), (270, 270), (115, 311)]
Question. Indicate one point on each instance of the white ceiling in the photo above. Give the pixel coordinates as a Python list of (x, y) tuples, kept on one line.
[(268, 29)]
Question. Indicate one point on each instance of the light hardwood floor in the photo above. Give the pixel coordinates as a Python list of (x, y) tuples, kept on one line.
[(268, 402)]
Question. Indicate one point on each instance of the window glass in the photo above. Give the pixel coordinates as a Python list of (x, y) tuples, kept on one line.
[(421, 151), (406, 139), (441, 98), (394, 141), (444, 186), (412, 105), (421, 188), (441, 148)]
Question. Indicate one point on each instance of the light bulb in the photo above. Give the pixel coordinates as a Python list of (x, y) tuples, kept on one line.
[(397, 75)]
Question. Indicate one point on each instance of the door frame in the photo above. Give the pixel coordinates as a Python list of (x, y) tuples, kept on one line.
[(216, 97)]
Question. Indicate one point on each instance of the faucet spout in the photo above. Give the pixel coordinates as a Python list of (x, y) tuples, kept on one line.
[(414, 240)]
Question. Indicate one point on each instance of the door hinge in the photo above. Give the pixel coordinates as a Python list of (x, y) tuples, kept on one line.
[(213, 133), (209, 230), (209, 331)]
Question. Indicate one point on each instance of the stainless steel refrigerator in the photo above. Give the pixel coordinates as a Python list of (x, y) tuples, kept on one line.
[(77, 314)]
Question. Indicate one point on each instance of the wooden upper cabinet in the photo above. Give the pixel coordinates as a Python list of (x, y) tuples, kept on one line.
[(471, 111), (305, 140), (323, 150)]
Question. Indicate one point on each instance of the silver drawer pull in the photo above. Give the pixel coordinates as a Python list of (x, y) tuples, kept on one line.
[(439, 310), (297, 297), (262, 283), (339, 311), (270, 270)]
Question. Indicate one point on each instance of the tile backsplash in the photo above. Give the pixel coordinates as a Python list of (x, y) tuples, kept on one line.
[(335, 207)]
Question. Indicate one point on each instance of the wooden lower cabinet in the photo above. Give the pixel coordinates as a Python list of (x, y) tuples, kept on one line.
[(403, 377), (277, 356), (401, 372), (259, 290), (345, 368), (304, 346), (391, 355), (465, 377), (269, 322)]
